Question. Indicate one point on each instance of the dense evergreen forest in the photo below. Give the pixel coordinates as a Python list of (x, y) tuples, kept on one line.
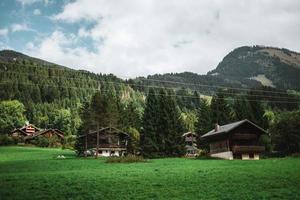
[(155, 110)]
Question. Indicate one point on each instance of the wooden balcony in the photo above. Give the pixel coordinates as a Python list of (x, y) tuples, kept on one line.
[(248, 149)]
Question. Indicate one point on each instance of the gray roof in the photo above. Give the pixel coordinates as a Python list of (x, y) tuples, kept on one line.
[(228, 127), (110, 129), (56, 131), (188, 133)]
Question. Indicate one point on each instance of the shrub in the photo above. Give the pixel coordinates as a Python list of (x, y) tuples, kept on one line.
[(6, 140), (41, 142), (273, 154), (54, 141), (296, 155), (127, 159), (69, 142)]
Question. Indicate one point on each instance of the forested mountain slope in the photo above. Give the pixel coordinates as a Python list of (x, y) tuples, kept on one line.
[(52, 93), (270, 66), (245, 67)]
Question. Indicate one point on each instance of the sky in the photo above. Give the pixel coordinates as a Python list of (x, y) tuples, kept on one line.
[(132, 38)]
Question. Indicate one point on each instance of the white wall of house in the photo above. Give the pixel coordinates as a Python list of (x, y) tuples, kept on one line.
[(224, 155), (107, 153), (245, 157), (256, 156)]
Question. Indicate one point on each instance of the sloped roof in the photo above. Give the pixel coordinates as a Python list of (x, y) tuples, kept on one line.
[(188, 133), (58, 133), (228, 127), (33, 126), (109, 129), (19, 130)]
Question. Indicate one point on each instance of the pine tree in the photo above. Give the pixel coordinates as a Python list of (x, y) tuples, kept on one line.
[(242, 109), (221, 112), (174, 143), (148, 140), (204, 123)]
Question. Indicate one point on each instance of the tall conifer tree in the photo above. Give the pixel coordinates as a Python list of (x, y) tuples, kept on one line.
[(148, 140), (221, 113)]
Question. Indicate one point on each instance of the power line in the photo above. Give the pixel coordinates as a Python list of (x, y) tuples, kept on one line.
[(157, 94), (165, 81), (212, 86), (149, 86)]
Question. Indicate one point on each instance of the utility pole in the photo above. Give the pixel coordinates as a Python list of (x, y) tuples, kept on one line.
[(97, 144), (85, 151), (97, 147)]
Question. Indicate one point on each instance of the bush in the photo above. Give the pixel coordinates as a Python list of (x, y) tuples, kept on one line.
[(41, 142), (69, 142), (126, 159), (273, 154), (265, 141), (54, 141), (6, 140), (295, 155)]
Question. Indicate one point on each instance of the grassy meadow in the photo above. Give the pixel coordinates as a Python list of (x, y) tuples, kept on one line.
[(35, 173)]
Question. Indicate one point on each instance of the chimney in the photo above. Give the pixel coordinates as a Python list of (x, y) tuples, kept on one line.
[(217, 127)]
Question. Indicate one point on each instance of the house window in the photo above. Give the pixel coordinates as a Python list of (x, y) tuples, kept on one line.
[(100, 152)]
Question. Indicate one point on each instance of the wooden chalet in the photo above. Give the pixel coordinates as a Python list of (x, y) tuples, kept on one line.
[(238, 140), (105, 142), (190, 139), (29, 132), (24, 131)]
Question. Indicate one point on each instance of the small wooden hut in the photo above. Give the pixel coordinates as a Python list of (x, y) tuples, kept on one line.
[(190, 139)]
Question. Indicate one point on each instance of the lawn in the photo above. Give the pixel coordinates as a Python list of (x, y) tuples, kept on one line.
[(35, 173)]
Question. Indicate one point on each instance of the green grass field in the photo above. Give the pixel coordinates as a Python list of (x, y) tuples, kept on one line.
[(35, 173)]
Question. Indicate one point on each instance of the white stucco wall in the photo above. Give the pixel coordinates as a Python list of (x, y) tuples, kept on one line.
[(245, 157), (107, 153), (224, 155)]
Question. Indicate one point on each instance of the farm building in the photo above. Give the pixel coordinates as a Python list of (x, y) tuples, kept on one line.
[(29, 133), (190, 139), (238, 140), (105, 142)]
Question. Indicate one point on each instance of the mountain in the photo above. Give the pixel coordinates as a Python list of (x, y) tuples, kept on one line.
[(269, 66), (13, 56), (48, 90), (244, 67)]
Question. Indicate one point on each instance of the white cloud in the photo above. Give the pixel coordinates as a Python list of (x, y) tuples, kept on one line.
[(37, 12), (82, 32), (61, 50), (30, 2), (134, 37), (3, 32), (20, 27)]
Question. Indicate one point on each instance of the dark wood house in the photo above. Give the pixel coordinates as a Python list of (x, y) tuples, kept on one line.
[(24, 131), (29, 133), (105, 142), (190, 139), (238, 140)]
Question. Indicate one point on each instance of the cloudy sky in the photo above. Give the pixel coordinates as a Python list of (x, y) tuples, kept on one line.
[(140, 37)]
